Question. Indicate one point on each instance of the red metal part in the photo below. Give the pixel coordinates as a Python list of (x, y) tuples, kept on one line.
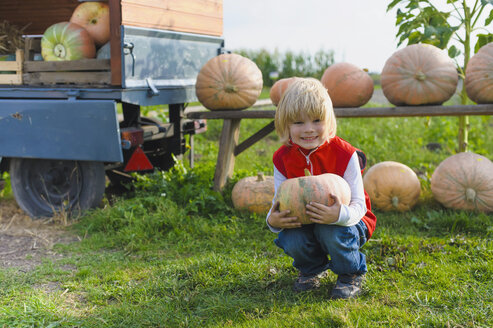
[(138, 162), (134, 135)]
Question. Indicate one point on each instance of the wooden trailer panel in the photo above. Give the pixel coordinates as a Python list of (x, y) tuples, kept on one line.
[(193, 16)]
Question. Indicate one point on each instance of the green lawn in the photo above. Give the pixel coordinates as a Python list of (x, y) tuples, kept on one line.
[(177, 254)]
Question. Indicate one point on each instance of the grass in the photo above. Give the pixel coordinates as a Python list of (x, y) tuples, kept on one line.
[(177, 254)]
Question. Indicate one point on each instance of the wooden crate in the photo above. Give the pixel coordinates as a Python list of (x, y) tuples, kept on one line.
[(12, 66), (81, 72)]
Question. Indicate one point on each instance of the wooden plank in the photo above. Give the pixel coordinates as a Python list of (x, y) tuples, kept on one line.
[(8, 66), (10, 79), (211, 8), (67, 78), (15, 67), (401, 111), (69, 65), (194, 16), (225, 157), (259, 135), (115, 43), (456, 110), (32, 46), (231, 114)]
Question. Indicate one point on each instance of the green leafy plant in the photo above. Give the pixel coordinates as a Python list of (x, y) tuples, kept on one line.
[(450, 25)]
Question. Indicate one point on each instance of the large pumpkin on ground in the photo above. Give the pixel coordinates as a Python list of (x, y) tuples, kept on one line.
[(347, 85), (464, 181), (254, 194), (279, 87), (229, 82), (479, 76), (392, 186), (419, 74), (293, 194), (66, 41)]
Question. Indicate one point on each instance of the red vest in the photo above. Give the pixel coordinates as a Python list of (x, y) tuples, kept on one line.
[(330, 157)]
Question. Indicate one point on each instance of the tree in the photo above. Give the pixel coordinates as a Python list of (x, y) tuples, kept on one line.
[(447, 24)]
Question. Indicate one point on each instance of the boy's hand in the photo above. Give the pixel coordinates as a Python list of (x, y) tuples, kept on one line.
[(324, 214), (279, 219)]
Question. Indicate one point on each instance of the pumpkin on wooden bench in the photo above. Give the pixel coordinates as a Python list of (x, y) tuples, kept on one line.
[(279, 88), (347, 85), (479, 76), (229, 82), (419, 74)]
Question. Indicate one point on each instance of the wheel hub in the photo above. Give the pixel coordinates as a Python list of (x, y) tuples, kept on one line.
[(56, 182)]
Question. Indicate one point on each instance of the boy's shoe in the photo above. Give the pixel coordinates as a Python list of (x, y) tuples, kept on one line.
[(347, 286), (306, 282)]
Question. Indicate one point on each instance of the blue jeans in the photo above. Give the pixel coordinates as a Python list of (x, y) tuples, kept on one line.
[(311, 245)]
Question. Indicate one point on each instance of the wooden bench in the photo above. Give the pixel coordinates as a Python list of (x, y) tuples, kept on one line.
[(228, 142)]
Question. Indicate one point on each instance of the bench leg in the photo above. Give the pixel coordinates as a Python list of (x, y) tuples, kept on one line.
[(226, 155)]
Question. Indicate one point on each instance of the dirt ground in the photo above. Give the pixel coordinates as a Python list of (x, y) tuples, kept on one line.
[(25, 242)]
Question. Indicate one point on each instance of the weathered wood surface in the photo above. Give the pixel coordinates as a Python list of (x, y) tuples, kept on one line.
[(115, 42), (455, 110), (193, 16), (226, 157), (12, 66), (78, 78), (69, 65)]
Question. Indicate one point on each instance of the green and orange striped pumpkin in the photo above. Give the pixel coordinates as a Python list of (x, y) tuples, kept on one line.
[(293, 194)]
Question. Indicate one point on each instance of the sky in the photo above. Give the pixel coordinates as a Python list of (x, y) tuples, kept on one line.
[(360, 32)]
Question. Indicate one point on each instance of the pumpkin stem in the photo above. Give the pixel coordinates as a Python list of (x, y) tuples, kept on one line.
[(260, 176), (395, 201), (470, 194), (231, 88), (307, 173), (420, 76)]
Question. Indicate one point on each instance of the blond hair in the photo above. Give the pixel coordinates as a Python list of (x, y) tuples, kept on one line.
[(304, 96)]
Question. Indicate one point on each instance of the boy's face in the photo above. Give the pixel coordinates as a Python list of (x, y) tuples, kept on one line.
[(308, 133)]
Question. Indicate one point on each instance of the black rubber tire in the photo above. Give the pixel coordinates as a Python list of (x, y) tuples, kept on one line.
[(44, 187)]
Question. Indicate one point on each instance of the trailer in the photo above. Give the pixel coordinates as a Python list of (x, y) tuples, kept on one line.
[(68, 127)]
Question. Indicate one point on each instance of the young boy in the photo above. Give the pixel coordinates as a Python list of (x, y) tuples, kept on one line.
[(306, 124)]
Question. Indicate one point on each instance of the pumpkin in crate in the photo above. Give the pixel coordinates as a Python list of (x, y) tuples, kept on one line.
[(464, 181), (279, 87), (419, 74), (392, 186), (479, 75), (94, 16), (254, 194), (67, 41), (347, 85), (229, 82), (293, 194)]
